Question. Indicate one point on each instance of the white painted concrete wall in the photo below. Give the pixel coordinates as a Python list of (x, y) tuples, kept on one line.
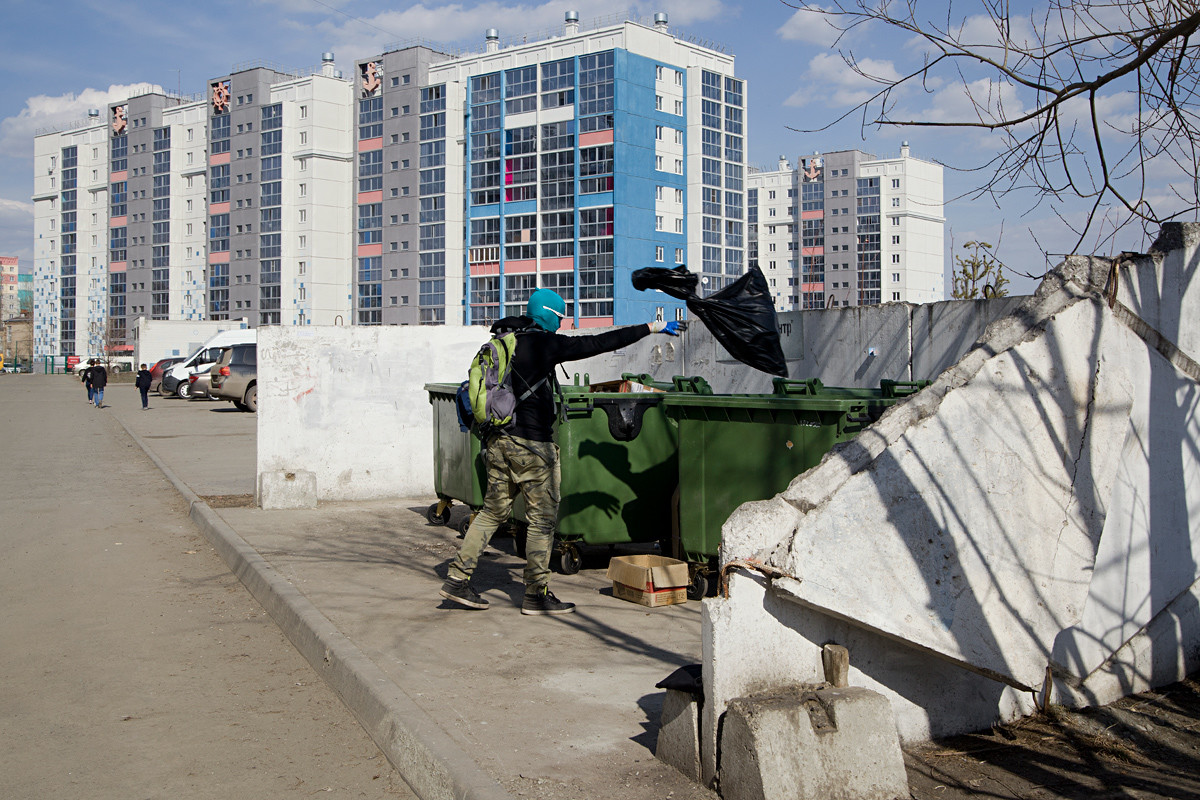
[(1036, 508), (833, 345), (349, 405)]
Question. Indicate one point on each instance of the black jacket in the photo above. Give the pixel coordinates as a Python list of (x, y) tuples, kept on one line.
[(99, 377), (143, 379), (538, 352)]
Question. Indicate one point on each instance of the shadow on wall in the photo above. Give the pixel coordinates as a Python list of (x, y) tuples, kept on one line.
[(1031, 510)]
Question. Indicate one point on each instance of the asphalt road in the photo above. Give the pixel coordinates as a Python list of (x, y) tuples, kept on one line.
[(133, 664)]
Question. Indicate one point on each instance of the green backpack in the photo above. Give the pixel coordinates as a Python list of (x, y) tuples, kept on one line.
[(490, 394)]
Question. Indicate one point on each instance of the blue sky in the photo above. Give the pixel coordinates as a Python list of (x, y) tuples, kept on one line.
[(62, 58)]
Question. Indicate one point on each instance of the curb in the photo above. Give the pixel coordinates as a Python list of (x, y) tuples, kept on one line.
[(428, 760)]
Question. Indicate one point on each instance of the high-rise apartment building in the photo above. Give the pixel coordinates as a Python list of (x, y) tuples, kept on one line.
[(156, 147), (430, 188), (847, 228), (279, 195), (565, 163), (9, 304), (70, 248)]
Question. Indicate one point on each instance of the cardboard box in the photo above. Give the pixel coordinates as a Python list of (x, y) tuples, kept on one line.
[(649, 580)]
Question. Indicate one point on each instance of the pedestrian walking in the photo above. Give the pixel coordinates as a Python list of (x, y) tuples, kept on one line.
[(523, 456), (99, 379), (142, 382), (86, 377)]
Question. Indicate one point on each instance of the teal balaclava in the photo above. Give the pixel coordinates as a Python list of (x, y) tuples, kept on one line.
[(546, 308)]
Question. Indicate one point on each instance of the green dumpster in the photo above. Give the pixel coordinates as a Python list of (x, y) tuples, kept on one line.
[(735, 449), (618, 460), (458, 469), (619, 470)]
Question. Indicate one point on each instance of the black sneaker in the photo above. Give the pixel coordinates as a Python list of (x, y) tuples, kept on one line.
[(459, 591), (545, 603)]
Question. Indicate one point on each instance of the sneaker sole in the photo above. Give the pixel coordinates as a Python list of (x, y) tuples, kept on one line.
[(462, 601), (541, 612)]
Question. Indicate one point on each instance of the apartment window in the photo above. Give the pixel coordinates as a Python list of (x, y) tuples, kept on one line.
[(679, 108), (679, 224), (895, 240), (678, 255), (895, 277), (302, 267), (658, 102), (895, 220), (896, 296), (658, 253), (895, 202), (304, 190), (303, 241), (658, 72), (895, 183), (658, 223), (895, 258)]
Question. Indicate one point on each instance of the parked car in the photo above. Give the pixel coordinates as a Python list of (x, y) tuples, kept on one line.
[(235, 377), (175, 380), (198, 384), (159, 369), (111, 364)]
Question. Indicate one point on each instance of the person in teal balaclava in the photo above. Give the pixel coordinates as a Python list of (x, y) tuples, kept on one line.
[(523, 457)]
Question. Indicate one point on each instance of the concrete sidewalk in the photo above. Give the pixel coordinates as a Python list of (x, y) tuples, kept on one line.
[(465, 703)]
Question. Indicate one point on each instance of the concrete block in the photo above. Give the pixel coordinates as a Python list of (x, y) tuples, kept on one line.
[(282, 489), (798, 744), (836, 661), (679, 733)]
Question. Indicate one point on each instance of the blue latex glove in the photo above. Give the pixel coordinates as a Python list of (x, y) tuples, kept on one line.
[(669, 328)]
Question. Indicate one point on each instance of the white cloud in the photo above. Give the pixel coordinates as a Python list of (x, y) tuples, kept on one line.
[(466, 23), (837, 85), (15, 211), (809, 26), (45, 111)]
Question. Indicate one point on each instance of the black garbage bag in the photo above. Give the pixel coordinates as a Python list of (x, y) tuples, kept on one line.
[(741, 316)]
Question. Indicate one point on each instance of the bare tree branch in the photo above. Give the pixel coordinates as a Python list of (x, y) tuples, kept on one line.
[(1046, 85)]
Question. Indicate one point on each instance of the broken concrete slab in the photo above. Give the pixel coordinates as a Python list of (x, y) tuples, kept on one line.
[(804, 743), (679, 733), (280, 489)]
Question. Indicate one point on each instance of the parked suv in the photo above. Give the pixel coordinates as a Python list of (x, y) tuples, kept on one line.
[(235, 377)]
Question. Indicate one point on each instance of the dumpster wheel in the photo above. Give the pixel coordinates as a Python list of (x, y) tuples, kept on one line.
[(570, 559), (698, 585), (466, 523), (438, 513)]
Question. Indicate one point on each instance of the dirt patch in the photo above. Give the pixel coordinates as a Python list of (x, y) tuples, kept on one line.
[(1143, 746), (230, 501)]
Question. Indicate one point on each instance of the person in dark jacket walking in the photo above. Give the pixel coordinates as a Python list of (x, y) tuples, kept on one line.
[(98, 376), (142, 382), (523, 457), (86, 377)]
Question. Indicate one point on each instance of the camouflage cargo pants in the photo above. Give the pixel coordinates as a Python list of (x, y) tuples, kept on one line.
[(513, 465)]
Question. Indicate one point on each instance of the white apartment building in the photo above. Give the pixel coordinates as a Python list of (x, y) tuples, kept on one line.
[(70, 201), (847, 228)]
